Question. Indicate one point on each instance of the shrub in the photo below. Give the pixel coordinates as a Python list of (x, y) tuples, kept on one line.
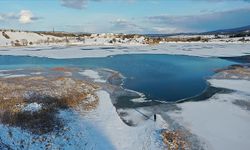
[(17, 43), (194, 39), (24, 42), (242, 39), (5, 35)]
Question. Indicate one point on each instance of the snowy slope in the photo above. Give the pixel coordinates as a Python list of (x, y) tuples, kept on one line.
[(29, 36), (42, 39)]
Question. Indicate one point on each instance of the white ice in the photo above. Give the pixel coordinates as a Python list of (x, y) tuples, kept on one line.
[(93, 75), (222, 124), (191, 49)]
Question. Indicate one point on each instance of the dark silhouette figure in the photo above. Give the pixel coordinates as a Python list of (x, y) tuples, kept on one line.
[(154, 117)]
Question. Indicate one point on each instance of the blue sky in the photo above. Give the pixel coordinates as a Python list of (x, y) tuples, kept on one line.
[(124, 16)]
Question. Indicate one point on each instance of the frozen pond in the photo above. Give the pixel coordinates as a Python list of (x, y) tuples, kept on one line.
[(159, 77)]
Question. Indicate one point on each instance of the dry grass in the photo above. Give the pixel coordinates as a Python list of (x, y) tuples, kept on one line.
[(235, 70), (40, 122), (239, 71), (52, 93), (58, 34), (175, 140), (62, 69)]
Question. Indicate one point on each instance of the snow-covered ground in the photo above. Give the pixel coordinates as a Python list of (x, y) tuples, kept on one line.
[(11, 39), (35, 38), (101, 128), (219, 121), (191, 49), (123, 137), (239, 85)]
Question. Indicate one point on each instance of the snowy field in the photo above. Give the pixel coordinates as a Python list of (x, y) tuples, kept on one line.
[(191, 49), (219, 121)]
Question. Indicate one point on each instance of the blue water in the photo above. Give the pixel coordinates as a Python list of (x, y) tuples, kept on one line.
[(159, 77)]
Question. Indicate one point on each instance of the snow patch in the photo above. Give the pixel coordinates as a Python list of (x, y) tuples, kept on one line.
[(15, 76), (237, 85), (32, 107), (93, 75), (36, 73)]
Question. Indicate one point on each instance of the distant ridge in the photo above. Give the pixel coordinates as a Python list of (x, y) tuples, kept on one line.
[(240, 31), (230, 31)]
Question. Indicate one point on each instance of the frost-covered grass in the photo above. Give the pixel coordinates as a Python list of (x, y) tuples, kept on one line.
[(101, 128)]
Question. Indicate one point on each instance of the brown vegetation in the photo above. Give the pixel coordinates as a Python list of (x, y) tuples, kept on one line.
[(153, 40), (58, 34), (234, 71), (61, 69), (52, 93), (187, 39), (157, 40), (5, 35), (175, 140)]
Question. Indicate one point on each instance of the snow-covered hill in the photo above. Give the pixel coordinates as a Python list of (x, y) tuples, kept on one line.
[(21, 38), (12, 38)]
